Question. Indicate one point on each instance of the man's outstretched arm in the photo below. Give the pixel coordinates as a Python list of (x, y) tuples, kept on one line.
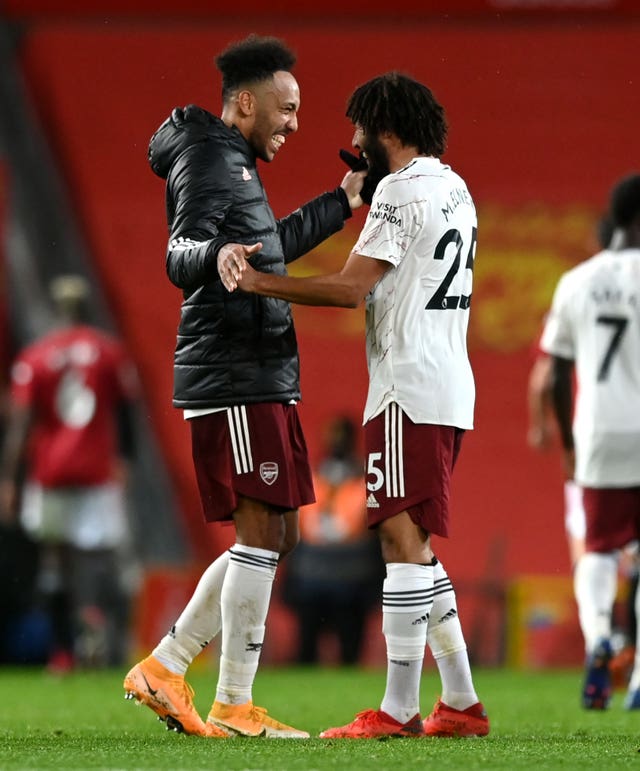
[(346, 289)]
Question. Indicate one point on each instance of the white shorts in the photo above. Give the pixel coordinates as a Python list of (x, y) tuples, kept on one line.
[(85, 517), (574, 517)]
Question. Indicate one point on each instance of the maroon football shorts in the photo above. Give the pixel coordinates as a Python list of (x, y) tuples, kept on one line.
[(612, 517), (409, 467), (257, 451)]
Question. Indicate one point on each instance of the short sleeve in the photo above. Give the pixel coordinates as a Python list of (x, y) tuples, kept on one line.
[(557, 336), (385, 232)]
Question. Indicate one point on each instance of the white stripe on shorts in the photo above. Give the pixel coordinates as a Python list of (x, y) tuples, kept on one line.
[(240, 440), (394, 464)]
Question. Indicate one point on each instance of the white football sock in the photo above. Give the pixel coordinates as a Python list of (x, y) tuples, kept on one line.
[(449, 649), (246, 593), (595, 582), (199, 622), (407, 597)]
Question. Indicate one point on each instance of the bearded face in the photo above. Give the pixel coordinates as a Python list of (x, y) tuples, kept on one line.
[(376, 155)]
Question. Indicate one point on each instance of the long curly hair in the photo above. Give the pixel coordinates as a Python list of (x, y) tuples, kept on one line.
[(397, 103)]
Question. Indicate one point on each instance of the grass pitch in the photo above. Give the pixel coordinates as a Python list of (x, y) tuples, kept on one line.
[(83, 722)]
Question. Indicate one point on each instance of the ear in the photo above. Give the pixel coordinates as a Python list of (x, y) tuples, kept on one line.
[(246, 103), (388, 138), (391, 140)]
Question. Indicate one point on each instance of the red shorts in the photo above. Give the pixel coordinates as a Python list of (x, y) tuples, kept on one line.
[(257, 451), (613, 517), (409, 467)]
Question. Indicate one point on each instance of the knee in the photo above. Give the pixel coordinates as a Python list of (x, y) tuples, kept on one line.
[(390, 552), (392, 548), (275, 540), (261, 538), (290, 540), (291, 535), (404, 546), (260, 527)]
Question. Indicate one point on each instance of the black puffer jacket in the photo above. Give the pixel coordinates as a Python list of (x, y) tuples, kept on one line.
[(232, 348)]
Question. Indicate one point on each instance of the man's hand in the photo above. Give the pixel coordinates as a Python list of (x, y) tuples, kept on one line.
[(370, 182), (232, 262), (569, 463), (352, 185), (541, 436), (248, 280)]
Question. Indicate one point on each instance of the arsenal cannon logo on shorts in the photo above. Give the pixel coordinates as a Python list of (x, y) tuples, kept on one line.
[(269, 472)]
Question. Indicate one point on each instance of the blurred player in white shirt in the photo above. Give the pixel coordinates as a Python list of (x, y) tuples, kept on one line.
[(413, 262), (541, 431), (594, 324)]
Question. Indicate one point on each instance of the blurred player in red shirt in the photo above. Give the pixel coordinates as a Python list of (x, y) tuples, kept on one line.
[(68, 431)]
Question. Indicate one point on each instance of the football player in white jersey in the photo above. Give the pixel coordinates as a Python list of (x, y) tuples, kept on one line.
[(413, 262), (594, 324), (541, 431)]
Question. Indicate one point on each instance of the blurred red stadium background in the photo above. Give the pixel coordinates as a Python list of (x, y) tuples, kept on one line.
[(543, 109)]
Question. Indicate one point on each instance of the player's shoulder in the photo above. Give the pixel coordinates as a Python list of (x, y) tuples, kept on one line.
[(39, 348), (578, 281), (430, 177), (583, 271), (105, 341), (90, 343), (425, 169), (402, 182), (32, 360), (210, 158), (27, 356)]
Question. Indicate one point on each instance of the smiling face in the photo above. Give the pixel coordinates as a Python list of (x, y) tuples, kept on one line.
[(276, 105)]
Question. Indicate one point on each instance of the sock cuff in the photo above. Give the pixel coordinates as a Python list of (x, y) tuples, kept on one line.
[(441, 653), (253, 558), (439, 571), (409, 570), (408, 588), (598, 559), (403, 649)]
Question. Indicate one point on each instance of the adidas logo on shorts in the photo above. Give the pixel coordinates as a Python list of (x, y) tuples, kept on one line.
[(371, 502)]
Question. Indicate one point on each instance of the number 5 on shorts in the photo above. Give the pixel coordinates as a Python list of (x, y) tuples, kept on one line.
[(373, 471)]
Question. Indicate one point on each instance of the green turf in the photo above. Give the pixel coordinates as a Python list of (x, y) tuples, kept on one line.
[(83, 722)]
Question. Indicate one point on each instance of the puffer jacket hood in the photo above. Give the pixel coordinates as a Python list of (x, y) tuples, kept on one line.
[(183, 128)]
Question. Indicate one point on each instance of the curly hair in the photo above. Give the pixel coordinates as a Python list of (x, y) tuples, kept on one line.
[(625, 201), (252, 60), (397, 103)]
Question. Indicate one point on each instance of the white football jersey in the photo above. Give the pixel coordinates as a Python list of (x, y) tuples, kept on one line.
[(423, 221), (595, 321)]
